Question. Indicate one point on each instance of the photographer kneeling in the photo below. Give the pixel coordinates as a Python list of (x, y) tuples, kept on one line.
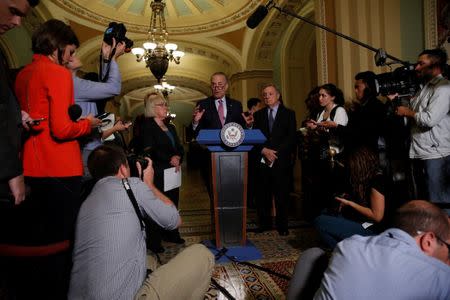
[(109, 257)]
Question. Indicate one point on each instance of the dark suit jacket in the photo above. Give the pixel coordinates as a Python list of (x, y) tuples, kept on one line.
[(161, 148), (210, 119), (10, 133), (282, 137)]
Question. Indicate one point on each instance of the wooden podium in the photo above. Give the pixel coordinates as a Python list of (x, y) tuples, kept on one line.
[(229, 169)]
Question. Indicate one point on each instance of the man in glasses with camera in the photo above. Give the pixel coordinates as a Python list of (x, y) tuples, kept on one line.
[(109, 257)]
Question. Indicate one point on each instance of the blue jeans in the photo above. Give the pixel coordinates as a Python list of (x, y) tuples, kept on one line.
[(333, 229), (437, 177)]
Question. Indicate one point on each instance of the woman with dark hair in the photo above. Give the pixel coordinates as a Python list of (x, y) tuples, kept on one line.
[(52, 163), (160, 141), (331, 99), (327, 143), (361, 205)]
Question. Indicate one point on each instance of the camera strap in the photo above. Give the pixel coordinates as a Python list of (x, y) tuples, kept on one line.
[(127, 187), (101, 77)]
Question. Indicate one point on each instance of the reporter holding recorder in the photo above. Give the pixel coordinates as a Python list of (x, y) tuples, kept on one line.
[(51, 157)]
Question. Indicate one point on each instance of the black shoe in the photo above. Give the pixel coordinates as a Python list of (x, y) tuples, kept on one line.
[(156, 249), (283, 232), (177, 240)]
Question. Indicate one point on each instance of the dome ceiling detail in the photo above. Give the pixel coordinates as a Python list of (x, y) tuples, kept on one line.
[(182, 16)]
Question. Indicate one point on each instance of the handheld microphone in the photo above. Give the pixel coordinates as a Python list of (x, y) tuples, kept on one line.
[(74, 112), (258, 15)]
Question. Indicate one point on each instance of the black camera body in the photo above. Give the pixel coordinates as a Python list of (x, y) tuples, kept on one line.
[(118, 32), (402, 80), (133, 158)]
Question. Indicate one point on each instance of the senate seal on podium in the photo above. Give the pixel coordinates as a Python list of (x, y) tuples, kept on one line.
[(232, 134)]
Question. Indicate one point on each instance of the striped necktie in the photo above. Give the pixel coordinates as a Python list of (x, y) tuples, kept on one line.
[(271, 119), (220, 111)]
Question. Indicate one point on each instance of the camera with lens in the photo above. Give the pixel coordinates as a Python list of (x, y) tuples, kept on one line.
[(133, 158), (402, 80), (118, 32)]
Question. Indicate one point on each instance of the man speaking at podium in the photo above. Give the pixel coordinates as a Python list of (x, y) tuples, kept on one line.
[(212, 113), (217, 110)]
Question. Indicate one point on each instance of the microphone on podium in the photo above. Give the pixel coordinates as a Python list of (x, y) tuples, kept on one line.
[(258, 15)]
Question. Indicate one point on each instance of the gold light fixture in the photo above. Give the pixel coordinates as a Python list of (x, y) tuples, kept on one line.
[(164, 88), (157, 52)]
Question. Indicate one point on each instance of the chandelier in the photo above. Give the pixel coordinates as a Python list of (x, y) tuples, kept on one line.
[(157, 52), (164, 88)]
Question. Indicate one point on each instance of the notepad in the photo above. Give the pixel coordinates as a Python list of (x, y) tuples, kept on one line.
[(172, 179)]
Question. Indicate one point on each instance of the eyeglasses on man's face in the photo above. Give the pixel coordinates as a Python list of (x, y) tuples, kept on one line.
[(440, 240), (445, 243)]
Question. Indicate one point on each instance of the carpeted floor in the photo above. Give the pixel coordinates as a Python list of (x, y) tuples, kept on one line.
[(279, 254), (241, 281)]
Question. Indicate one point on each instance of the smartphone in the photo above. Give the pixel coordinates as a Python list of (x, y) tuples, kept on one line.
[(35, 122), (103, 115)]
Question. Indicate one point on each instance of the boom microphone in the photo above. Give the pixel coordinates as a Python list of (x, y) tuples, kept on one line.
[(74, 112), (259, 15)]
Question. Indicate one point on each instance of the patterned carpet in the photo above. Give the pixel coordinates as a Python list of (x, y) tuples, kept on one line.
[(279, 254), (241, 281)]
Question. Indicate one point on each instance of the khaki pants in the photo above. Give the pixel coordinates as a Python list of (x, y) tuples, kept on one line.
[(186, 276)]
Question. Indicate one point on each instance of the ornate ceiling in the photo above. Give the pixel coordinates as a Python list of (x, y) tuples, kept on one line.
[(212, 33), (182, 16)]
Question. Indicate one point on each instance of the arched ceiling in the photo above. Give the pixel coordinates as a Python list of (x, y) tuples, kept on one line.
[(182, 16), (212, 33)]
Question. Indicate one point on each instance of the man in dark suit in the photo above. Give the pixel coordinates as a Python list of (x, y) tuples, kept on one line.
[(11, 177), (218, 109), (278, 124), (212, 113)]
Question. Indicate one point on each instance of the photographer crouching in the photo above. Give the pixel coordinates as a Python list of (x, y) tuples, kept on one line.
[(109, 258)]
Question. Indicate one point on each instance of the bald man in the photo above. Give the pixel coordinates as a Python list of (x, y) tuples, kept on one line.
[(409, 261)]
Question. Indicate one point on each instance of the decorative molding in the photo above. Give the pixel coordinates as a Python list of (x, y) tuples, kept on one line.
[(251, 74), (84, 13), (32, 21), (430, 23)]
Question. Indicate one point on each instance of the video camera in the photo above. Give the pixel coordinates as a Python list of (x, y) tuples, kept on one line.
[(402, 80), (118, 32)]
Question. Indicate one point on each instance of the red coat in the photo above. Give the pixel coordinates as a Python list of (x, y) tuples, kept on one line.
[(45, 90)]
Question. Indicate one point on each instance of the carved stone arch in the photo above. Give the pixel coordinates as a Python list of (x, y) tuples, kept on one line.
[(268, 34), (298, 63)]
